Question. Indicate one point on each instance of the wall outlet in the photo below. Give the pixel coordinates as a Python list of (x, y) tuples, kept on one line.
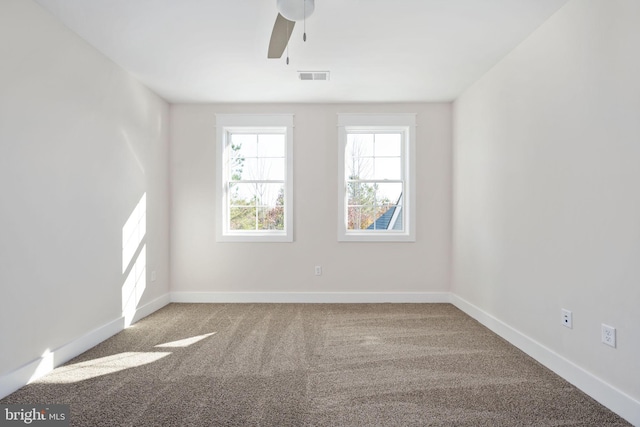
[(609, 335), (567, 318), (318, 270), (153, 276)]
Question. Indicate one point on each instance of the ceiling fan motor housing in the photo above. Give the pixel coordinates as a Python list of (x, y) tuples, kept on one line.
[(296, 10)]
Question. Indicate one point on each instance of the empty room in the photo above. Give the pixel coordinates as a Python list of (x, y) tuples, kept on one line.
[(331, 212)]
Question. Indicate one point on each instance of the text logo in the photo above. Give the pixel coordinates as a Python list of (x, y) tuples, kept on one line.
[(34, 415)]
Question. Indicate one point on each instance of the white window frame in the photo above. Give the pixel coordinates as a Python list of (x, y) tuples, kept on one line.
[(226, 123), (404, 123)]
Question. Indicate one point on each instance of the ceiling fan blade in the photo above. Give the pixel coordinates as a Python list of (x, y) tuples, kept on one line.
[(282, 30)]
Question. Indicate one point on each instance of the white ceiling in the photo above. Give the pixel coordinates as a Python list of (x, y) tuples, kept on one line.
[(376, 50)]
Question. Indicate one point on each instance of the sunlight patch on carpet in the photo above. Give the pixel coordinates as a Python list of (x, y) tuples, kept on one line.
[(186, 342), (102, 366)]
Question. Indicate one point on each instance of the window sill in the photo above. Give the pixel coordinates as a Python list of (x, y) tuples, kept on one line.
[(256, 238), (377, 237)]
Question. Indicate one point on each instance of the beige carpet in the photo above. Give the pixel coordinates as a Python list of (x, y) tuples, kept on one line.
[(312, 365)]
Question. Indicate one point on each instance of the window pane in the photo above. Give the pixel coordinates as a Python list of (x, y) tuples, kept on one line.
[(388, 168), (360, 193), (263, 169), (236, 168), (272, 169), (360, 217), (377, 220), (385, 218), (354, 219), (359, 168), (243, 145), (242, 194), (359, 145), (241, 218), (270, 145), (359, 156), (388, 145), (250, 169), (388, 193), (269, 195), (271, 218)]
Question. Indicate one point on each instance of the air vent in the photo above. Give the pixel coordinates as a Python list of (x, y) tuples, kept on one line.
[(313, 75)]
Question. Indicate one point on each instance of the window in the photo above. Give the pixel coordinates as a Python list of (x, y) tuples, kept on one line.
[(254, 177), (376, 185)]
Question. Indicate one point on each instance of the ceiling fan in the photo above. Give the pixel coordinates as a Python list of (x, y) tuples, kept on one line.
[(289, 11)]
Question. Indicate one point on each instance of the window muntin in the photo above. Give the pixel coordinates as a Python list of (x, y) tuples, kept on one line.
[(255, 178), (376, 185)]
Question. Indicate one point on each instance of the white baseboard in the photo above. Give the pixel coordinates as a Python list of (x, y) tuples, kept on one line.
[(151, 307), (616, 400), (310, 297), (44, 364)]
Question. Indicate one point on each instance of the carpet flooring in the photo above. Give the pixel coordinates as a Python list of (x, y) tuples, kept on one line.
[(311, 365)]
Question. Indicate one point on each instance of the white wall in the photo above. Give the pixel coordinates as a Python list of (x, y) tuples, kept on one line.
[(80, 142), (199, 264), (546, 188)]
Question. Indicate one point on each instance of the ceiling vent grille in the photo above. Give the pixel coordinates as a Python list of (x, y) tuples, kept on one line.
[(313, 75)]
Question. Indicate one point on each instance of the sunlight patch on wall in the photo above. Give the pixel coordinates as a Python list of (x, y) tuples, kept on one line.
[(134, 260), (44, 367), (134, 231), (186, 342), (134, 287), (103, 366)]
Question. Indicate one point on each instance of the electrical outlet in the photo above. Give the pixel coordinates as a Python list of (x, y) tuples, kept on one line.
[(609, 335), (153, 276), (567, 318), (318, 270)]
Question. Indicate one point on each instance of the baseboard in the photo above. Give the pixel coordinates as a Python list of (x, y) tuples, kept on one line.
[(151, 307), (44, 364), (310, 297), (616, 400)]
